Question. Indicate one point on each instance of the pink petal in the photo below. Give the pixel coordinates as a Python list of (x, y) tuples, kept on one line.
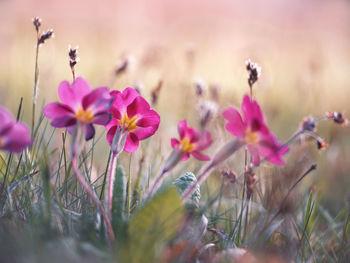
[(200, 156), (113, 123), (251, 110), (182, 127), (110, 134), (102, 118), (204, 142), (185, 157), (235, 124), (138, 106), (131, 143), (98, 100), (6, 120), (174, 143), (150, 118), (72, 95), (17, 139), (144, 133), (123, 99), (255, 154), (55, 110), (89, 131), (64, 121)]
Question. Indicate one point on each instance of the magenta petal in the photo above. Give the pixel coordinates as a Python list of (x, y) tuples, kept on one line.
[(64, 121), (151, 118), (99, 100), (204, 142), (55, 109), (89, 131), (185, 157), (182, 127), (72, 95), (138, 106), (6, 120), (144, 133), (174, 143), (255, 154), (110, 134), (131, 143), (123, 99), (112, 123), (251, 110), (200, 156), (17, 139), (235, 124), (102, 118)]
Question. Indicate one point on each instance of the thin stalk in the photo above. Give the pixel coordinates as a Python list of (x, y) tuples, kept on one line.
[(36, 80), (312, 167), (93, 197), (111, 177)]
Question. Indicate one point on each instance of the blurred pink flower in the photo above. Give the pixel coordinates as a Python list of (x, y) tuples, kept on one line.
[(254, 132), (80, 104), (192, 142), (131, 111), (14, 136)]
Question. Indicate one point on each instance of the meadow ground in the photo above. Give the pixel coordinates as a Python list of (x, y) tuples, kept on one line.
[(196, 53)]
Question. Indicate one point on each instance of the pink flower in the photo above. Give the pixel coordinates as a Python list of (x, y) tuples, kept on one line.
[(254, 132), (80, 104), (192, 142), (131, 111), (14, 136)]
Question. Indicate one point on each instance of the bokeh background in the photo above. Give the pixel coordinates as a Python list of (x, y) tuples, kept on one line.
[(301, 45)]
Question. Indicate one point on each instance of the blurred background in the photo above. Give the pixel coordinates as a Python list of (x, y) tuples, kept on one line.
[(301, 45)]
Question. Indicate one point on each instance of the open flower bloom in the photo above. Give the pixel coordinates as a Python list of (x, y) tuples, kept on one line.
[(132, 113), (80, 105), (192, 142), (14, 136), (254, 132)]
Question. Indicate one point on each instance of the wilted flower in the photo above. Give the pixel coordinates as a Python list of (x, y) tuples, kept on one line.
[(254, 132), (132, 113), (321, 143), (207, 111), (155, 93), (14, 136), (37, 23), (45, 36), (80, 105), (192, 142)]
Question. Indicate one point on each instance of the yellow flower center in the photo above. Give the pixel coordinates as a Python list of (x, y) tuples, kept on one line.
[(128, 123), (251, 137), (186, 146), (85, 116)]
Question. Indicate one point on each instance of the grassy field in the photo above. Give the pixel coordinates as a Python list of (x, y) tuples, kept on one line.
[(295, 213)]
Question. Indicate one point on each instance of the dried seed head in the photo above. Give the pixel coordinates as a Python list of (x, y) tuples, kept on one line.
[(321, 143), (308, 124), (45, 36), (37, 23), (155, 93), (337, 117), (73, 56), (230, 175), (123, 65), (254, 72), (200, 86), (207, 111), (250, 180)]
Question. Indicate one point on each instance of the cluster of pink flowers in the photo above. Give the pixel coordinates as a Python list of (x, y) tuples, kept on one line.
[(85, 107), (131, 113)]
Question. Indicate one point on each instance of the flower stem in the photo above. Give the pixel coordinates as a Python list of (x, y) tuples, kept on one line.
[(36, 82), (94, 198), (111, 176)]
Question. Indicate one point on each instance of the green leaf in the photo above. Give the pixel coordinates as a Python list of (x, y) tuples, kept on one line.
[(152, 226), (118, 203)]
